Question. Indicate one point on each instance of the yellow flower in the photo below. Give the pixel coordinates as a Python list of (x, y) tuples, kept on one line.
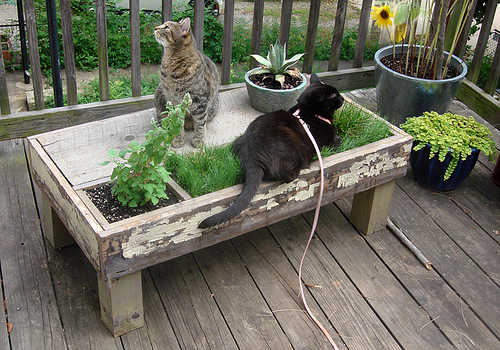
[(382, 16)]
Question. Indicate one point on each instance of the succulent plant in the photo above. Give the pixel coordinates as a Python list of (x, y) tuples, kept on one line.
[(276, 62)]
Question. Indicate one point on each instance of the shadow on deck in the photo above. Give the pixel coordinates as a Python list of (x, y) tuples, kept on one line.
[(369, 291)]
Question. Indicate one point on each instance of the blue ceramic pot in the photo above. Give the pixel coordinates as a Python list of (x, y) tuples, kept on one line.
[(430, 172)]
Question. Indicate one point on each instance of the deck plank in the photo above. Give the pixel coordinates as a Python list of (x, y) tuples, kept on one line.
[(192, 311), (277, 281), (463, 230), (464, 276), (75, 283), (340, 301), (245, 311), (4, 324), (375, 282), (29, 298), (445, 308)]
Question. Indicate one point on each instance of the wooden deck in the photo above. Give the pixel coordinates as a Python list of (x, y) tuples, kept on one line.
[(369, 291)]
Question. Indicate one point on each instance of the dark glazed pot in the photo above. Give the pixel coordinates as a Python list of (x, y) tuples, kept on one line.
[(430, 172)]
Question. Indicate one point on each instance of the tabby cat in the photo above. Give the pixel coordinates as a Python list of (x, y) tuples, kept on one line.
[(275, 146), (185, 69)]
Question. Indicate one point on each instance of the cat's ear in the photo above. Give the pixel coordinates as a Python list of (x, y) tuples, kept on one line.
[(185, 25), (315, 79)]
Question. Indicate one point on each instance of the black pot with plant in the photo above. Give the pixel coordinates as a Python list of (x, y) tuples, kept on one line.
[(446, 148)]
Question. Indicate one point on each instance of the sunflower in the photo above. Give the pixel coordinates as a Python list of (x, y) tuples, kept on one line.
[(382, 16)]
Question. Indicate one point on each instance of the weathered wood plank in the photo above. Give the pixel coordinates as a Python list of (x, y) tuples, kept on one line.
[(445, 307), (396, 307), (277, 281), (30, 123), (454, 265), (4, 324), (463, 230), (245, 311), (191, 307), (350, 79), (345, 308), (65, 202), (158, 332), (479, 101), (75, 283), (30, 301)]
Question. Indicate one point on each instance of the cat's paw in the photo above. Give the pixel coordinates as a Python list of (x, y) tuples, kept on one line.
[(178, 142), (197, 142)]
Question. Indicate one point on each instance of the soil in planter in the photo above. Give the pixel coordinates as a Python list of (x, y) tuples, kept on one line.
[(266, 80), (113, 211), (399, 65)]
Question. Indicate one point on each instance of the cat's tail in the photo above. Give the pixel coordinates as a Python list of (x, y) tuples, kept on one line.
[(253, 178)]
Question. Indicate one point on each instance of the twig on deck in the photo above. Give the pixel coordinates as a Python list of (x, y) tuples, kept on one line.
[(409, 244)]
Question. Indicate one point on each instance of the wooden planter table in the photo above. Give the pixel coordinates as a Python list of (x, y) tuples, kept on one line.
[(66, 161)]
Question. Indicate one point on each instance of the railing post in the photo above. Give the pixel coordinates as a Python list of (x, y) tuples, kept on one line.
[(482, 41), (102, 49), (55, 59), (135, 47), (69, 52), (166, 10), (286, 16), (34, 53), (227, 42), (199, 12), (492, 82), (4, 93), (338, 34), (364, 19), (312, 32), (258, 20)]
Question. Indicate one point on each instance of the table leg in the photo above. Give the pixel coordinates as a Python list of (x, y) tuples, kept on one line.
[(370, 208), (54, 229), (121, 303)]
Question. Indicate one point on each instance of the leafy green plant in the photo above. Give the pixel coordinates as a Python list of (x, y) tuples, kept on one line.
[(449, 133), (140, 175), (276, 62)]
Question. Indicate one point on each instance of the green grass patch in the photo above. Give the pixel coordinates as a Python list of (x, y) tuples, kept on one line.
[(207, 170), (214, 168)]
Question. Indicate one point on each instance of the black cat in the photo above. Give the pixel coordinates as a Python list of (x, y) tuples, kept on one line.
[(275, 146)]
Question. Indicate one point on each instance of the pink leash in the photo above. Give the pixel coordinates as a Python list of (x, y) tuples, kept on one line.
[(315, 223)]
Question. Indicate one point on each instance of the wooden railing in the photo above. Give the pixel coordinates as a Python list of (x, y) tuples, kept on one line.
[(28, 123)]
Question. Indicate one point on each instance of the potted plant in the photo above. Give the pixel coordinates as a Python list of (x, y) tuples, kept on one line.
[(275, 85), (415, 74), (445, 148)]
